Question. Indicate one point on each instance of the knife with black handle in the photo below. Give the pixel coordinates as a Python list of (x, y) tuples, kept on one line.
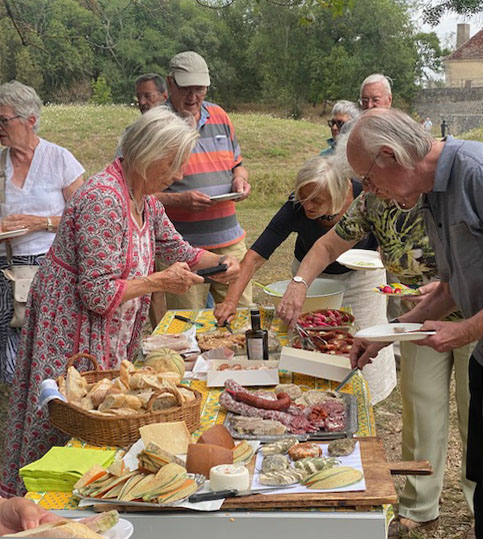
[(231, 493)]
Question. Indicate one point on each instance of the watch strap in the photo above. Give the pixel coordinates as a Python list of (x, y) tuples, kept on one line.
[(299, 279)]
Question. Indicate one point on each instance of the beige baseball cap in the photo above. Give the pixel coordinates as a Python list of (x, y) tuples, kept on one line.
[(189, 69)]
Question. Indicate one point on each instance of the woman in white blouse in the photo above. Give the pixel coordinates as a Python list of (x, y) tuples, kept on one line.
[(39, 178)]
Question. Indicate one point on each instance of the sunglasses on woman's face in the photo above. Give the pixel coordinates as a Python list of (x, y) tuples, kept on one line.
[(338, 123)]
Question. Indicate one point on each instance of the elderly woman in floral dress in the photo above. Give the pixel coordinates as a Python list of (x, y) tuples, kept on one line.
[(92, 294)]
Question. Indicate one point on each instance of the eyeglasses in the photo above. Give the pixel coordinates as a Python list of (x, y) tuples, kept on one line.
[(338, 123), (147, 97), (365, 180), (196, 90), (4, 121)]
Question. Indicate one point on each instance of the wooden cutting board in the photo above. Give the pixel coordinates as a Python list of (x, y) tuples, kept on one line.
[(379, 487)]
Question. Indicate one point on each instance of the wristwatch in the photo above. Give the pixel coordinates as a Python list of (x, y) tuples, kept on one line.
[(50, 226), (298, 279)]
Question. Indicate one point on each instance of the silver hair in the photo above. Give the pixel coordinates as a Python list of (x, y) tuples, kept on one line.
[(394, 129), (341, 162), (377, 78), (346, 107), (157, 134), (323, 174), (23, 99)]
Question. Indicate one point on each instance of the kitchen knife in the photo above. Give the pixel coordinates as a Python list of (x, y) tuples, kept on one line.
[(346, 379), (232, 493), (227, 326), (185, 319)]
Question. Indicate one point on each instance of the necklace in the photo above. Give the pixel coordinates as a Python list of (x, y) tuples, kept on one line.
[(139, 207), (402, 207)]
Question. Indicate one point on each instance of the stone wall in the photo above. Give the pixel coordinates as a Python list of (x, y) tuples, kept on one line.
[(462, 108)]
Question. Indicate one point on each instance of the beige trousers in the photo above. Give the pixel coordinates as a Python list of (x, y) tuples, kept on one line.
[(425, 389), (195, 298)]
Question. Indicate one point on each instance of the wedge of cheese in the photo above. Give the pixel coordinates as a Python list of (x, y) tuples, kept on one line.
[(172, 437)]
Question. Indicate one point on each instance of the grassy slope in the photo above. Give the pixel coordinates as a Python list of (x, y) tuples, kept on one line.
[(273, 150)]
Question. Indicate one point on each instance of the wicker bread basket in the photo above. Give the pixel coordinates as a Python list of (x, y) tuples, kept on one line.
[(119, 430)]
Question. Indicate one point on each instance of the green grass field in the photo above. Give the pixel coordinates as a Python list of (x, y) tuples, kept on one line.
[(273, 150)]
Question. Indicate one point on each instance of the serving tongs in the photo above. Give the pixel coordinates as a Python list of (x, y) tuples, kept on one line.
[(327, 329), (306, 338)]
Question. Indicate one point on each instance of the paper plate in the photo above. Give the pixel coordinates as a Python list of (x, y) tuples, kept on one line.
[(403, 294), (13, 233), (361, 259), (394, 332)]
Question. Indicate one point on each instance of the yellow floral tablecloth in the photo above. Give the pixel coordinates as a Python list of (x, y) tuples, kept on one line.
[(211, 413)]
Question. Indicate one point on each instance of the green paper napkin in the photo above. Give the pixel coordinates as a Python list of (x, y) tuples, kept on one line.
[(61, 467)]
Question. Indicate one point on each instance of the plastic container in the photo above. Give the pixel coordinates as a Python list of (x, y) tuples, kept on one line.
[(322, 294)]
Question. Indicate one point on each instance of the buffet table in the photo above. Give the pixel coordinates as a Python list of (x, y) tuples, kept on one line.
[(362, 514)]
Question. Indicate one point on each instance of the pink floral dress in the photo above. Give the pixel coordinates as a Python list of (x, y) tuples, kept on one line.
[(75, 300), (124, 318)]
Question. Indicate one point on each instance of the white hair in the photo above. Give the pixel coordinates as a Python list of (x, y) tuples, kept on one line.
[(157, 134), (377, 78), (343, 107), (23, 99), (323, 175), (341, 162), (394, 129)]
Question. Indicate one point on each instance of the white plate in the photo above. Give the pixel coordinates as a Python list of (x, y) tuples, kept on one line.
[(122, 530), (361, 259), (226, 196), (389, 332), (13, 233)]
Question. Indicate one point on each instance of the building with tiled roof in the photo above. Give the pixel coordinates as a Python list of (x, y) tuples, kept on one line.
[(463, 68)]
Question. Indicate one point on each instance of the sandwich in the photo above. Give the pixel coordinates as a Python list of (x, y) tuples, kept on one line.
[(87, 528)]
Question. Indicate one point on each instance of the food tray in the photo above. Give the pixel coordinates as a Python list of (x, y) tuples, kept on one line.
[(267, 376), (352, 426), (199, 478)]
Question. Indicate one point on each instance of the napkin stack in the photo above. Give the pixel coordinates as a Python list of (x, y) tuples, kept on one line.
[(61, 467)]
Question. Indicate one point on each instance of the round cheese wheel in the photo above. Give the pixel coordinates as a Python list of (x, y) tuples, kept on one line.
[(229, 476)]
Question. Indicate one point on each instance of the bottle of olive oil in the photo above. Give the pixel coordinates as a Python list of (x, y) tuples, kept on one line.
[(256, 338)]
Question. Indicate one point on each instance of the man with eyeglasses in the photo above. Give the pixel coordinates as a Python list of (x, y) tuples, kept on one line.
[(215, 168), (408, 165), (151, 91), (376, 92)]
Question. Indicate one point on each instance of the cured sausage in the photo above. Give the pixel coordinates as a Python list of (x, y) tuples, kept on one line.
[(281, 403), (297, 424)]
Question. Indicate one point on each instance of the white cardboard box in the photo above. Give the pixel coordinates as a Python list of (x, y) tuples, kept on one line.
[(267, 376), (327, 366)]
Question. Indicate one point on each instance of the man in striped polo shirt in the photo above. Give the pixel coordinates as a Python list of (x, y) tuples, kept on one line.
[(214, 168)]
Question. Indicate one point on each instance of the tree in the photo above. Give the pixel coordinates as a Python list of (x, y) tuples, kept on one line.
[(101, 93), (434, 11)]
